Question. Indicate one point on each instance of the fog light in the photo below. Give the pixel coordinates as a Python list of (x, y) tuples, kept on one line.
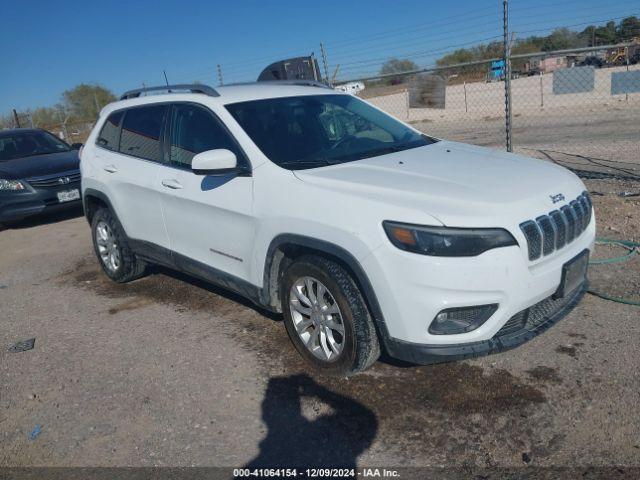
[(461, 320)]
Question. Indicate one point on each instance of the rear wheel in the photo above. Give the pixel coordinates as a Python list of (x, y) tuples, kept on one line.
[(326, 316), (112, 249)]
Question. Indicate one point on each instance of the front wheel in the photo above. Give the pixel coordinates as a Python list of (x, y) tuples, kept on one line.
[(327, 318)]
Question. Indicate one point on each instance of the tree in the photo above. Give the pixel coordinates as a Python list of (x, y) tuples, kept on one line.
[(606, 35), (628, 28), (45, 116), (562, 38), (395, 65), (84, 101), (398, 66)]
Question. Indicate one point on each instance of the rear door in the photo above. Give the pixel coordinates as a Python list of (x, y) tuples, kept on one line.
[(209, 219), (129, 162)]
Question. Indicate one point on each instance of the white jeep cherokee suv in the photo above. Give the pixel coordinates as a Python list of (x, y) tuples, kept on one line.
[(365, 233)]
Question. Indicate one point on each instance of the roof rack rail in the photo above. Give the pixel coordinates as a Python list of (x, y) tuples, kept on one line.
[(308, 83), (193, 88)]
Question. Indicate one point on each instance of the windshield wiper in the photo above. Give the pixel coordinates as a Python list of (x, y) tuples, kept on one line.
[(321, 162)]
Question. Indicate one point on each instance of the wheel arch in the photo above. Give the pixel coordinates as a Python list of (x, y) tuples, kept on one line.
[(285, 248), (92, 200)]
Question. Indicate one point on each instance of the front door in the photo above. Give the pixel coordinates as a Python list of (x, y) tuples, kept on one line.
[(209, 219)]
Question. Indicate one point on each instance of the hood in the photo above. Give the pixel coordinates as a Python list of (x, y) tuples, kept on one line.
[(40, 165), (458, 184)]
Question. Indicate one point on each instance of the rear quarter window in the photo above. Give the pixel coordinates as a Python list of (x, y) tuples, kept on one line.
[(141, 131), (109, 136)]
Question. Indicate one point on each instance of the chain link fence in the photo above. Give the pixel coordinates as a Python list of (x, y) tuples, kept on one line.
[(569, 107), (69, 131)]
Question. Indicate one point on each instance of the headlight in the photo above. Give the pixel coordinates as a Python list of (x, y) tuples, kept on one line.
[(447, 242), (11, 185)]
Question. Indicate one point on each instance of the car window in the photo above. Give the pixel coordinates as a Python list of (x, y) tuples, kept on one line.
[(315, 130), (141, 130), (110, 134), (195, 130), (30, 143)]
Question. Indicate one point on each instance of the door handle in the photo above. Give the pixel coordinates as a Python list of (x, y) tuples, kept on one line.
[(110, 168), (172, 183)]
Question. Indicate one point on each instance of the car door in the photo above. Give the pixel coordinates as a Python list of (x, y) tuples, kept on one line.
[(209, 219), (129, 161)]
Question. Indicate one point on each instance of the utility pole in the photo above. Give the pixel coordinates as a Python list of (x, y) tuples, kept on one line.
[(313, 66), (15, 118), (507, 74), (220, 75), (326, 65)]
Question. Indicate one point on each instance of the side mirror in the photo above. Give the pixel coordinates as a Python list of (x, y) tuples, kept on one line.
[(76, 146), (215, 162)]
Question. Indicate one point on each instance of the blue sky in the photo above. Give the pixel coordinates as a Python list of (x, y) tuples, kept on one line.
[(50, 46)]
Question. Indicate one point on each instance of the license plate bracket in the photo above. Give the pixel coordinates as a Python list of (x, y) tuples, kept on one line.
[(574, 273), (68, 195)]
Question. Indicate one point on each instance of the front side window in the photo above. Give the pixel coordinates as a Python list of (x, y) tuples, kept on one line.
[(195, 130), (29, 144), (141, 130), (316, 130), (110, 133)]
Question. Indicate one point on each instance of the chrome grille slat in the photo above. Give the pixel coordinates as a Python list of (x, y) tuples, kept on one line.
[(54, 180), (548, 234), (557, 229), (534, 238), (561, 228), (571, 222)]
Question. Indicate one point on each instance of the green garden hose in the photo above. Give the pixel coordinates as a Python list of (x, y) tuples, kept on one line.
[(632, 248)]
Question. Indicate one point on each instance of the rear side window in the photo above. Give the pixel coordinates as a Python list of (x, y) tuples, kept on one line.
[(110, 134), (195, 130), (141, 130)]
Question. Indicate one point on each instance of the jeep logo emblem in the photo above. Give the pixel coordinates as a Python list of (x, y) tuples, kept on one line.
[(558, 197), (64, 180)]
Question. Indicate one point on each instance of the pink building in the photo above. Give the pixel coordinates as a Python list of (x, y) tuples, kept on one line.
[(546, 64)]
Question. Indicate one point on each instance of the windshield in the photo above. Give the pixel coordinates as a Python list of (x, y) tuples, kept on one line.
[(316, 130), (28, 144)]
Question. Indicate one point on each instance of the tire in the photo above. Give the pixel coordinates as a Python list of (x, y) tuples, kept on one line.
[(128, 267), (350, 352)]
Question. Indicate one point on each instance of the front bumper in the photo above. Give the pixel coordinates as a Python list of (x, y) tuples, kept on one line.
[(519, 329), (26, 203), (412, 289)]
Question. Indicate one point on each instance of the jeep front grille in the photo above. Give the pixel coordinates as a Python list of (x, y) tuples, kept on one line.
[(551, 232)]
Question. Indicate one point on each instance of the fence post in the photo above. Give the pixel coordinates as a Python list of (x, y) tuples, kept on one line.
[(541, 92), (407, 104), (507, 75), (464, 85)]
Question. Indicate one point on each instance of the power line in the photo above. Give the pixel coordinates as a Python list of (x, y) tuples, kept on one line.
[(411, 42), (420, 54), (414, 28), (423, 53)]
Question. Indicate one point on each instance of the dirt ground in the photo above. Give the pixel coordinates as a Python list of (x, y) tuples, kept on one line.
[(169, 371)]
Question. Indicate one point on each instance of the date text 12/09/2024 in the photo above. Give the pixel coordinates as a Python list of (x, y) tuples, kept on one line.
[(315, 473)]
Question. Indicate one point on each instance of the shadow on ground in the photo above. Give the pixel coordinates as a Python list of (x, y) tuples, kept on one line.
[(332, 431)]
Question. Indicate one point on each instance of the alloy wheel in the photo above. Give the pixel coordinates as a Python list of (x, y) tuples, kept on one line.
[(317, 318), (108, 247)]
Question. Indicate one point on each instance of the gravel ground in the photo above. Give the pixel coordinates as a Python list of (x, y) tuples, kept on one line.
[(171, 371)]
